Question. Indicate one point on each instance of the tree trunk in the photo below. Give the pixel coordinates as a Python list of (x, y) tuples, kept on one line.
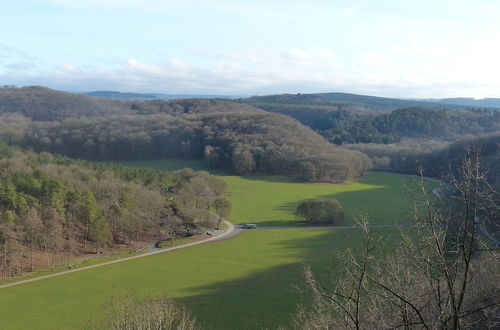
[(5, 259), (31, 255), (86, 235)]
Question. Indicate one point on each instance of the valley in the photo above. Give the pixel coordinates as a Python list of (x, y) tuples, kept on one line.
[(254, 271)]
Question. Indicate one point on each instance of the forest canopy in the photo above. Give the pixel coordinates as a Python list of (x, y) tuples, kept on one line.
[(226, 134)]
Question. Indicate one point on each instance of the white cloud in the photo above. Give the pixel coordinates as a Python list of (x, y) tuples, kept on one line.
[(410, 69)]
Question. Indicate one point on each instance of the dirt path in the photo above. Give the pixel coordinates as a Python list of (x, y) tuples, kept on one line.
[(229, 232)]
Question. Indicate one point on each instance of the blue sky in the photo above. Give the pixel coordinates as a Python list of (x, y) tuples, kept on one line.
[(389, 48)]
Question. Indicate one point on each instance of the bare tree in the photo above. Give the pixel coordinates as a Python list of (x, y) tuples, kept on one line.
[(151, 313), (441, 275)]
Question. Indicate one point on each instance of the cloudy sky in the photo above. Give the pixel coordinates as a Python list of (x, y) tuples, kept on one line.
[(390, 48)]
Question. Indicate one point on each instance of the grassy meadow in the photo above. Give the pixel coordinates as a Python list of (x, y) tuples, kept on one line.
[(246, 282), (272, 200), (243, 282)]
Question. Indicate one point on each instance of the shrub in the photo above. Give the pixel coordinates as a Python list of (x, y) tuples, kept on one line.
[(151, 313)]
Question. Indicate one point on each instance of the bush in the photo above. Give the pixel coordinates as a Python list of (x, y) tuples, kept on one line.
[(321, 210), (151, 313)]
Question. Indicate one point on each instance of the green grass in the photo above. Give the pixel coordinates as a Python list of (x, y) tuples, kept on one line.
[(272, 200), (246, 282), (75, 264), (168, 164)]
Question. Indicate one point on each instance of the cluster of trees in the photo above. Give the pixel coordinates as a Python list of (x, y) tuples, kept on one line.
[(60, 208), (227, 134), (321, 210)]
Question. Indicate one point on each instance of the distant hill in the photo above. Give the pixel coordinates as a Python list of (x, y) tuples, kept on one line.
[(357, 101), (470, 102), (45, 104), (155, 96), (122, 95), (360, 101)]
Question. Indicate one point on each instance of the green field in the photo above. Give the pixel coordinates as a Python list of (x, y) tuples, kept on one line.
[(271, 200), (246, 282)]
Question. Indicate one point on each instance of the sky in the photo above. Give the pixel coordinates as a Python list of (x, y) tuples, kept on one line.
[(393, 48)]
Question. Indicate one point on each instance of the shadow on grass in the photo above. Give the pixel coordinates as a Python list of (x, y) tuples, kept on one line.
[(383, 205), (269, 298)]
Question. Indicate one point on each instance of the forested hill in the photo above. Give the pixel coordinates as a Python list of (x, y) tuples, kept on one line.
[(440, 162), (348, 123), (122, 95), (355, 101), (227, 134), (44, 104), (155, 96)]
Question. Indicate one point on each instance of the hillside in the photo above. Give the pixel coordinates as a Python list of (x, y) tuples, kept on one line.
[(470, 102), (353, 101), (342, 124), (227, 134), (154, 96), (122, 95), (439, 162), (44, 104)]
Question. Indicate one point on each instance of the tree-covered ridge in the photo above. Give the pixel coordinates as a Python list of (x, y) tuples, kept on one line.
[(436, 158), (228, 135), (356, 101), (344, 123), (58, 206), (44, 104), (438, 162)]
